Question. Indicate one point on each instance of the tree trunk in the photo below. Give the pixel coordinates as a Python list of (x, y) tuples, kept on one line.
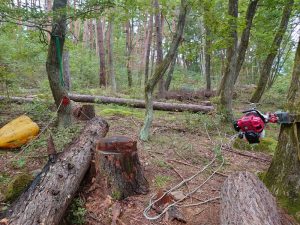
[(207, 50), (245, 38), (53, 64), (159, 50), (267, 65), (227, 82), (283, 176), (100, 40), (170, 73), (140, 103), (120, 167), (67, 76), (149, 42), (161, 69), (110, 57), (245, 200), (49, 195), (128, 53)]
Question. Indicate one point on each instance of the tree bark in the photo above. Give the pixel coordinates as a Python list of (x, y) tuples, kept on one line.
[(49, 195), (227, 83), (149, 42), (159, 50), (170, 73), (111, 70), (161, 69), (267, 65), (53, 65), (128, 52), (140, 103), (283, 176), (207, 50), (100, 40), (120, 167), (67, 76), (245, 200), (245, 38)]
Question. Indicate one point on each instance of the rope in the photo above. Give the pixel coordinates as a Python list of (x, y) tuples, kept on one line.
[(36, 137), (151, 203), (58, 53)]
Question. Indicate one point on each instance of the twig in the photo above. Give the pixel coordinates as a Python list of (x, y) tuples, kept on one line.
[(187, 186), (247, 155), (184, 163), (201, 203), (198, 213)]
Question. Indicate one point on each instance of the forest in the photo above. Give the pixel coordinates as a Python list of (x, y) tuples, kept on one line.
[(168, 112)]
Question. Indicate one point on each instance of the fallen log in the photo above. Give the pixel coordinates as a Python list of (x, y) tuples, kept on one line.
[(246, 200), (48, 196), (141, 103), (175, 107), (18, 100)]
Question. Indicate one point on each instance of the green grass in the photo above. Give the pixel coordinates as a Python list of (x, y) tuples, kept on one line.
[(161, 181), (266, 145)]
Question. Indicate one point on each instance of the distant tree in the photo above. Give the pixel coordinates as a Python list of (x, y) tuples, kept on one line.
[(148, 47), (267, 65), (102, 74), (129, 48)]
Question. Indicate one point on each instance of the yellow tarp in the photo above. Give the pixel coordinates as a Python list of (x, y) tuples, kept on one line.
[(18, 132)]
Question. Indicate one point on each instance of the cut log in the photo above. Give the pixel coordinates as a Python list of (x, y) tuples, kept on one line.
[(84, 112), (246, 200), (141, 104), (205, 107), (49, 195), (120, 170)]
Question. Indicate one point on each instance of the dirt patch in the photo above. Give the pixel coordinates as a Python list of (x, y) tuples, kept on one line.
[(170, 156)]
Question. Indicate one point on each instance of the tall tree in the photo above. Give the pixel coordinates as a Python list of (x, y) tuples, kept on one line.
[(111, 70), (148, 46), (207, 57), (244, 42), (283, 176), (100, 40), (159, 50), (129, 48), (161, 69), (267, 65), (226, 85)]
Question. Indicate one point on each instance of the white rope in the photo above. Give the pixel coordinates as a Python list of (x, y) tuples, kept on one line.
[(148, 208), (36, 137)]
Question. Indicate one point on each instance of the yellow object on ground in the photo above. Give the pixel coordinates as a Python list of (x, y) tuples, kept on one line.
[(18, 132)]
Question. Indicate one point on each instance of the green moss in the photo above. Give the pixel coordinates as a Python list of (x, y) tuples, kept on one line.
[(116, 195), (17, 185), (265, 145), (123, 111)]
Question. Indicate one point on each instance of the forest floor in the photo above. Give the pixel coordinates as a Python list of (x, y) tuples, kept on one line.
[(181, 144)]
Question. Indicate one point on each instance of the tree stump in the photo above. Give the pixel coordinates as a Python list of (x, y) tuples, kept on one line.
[(246, 200), (84, 112), (119, 167)]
